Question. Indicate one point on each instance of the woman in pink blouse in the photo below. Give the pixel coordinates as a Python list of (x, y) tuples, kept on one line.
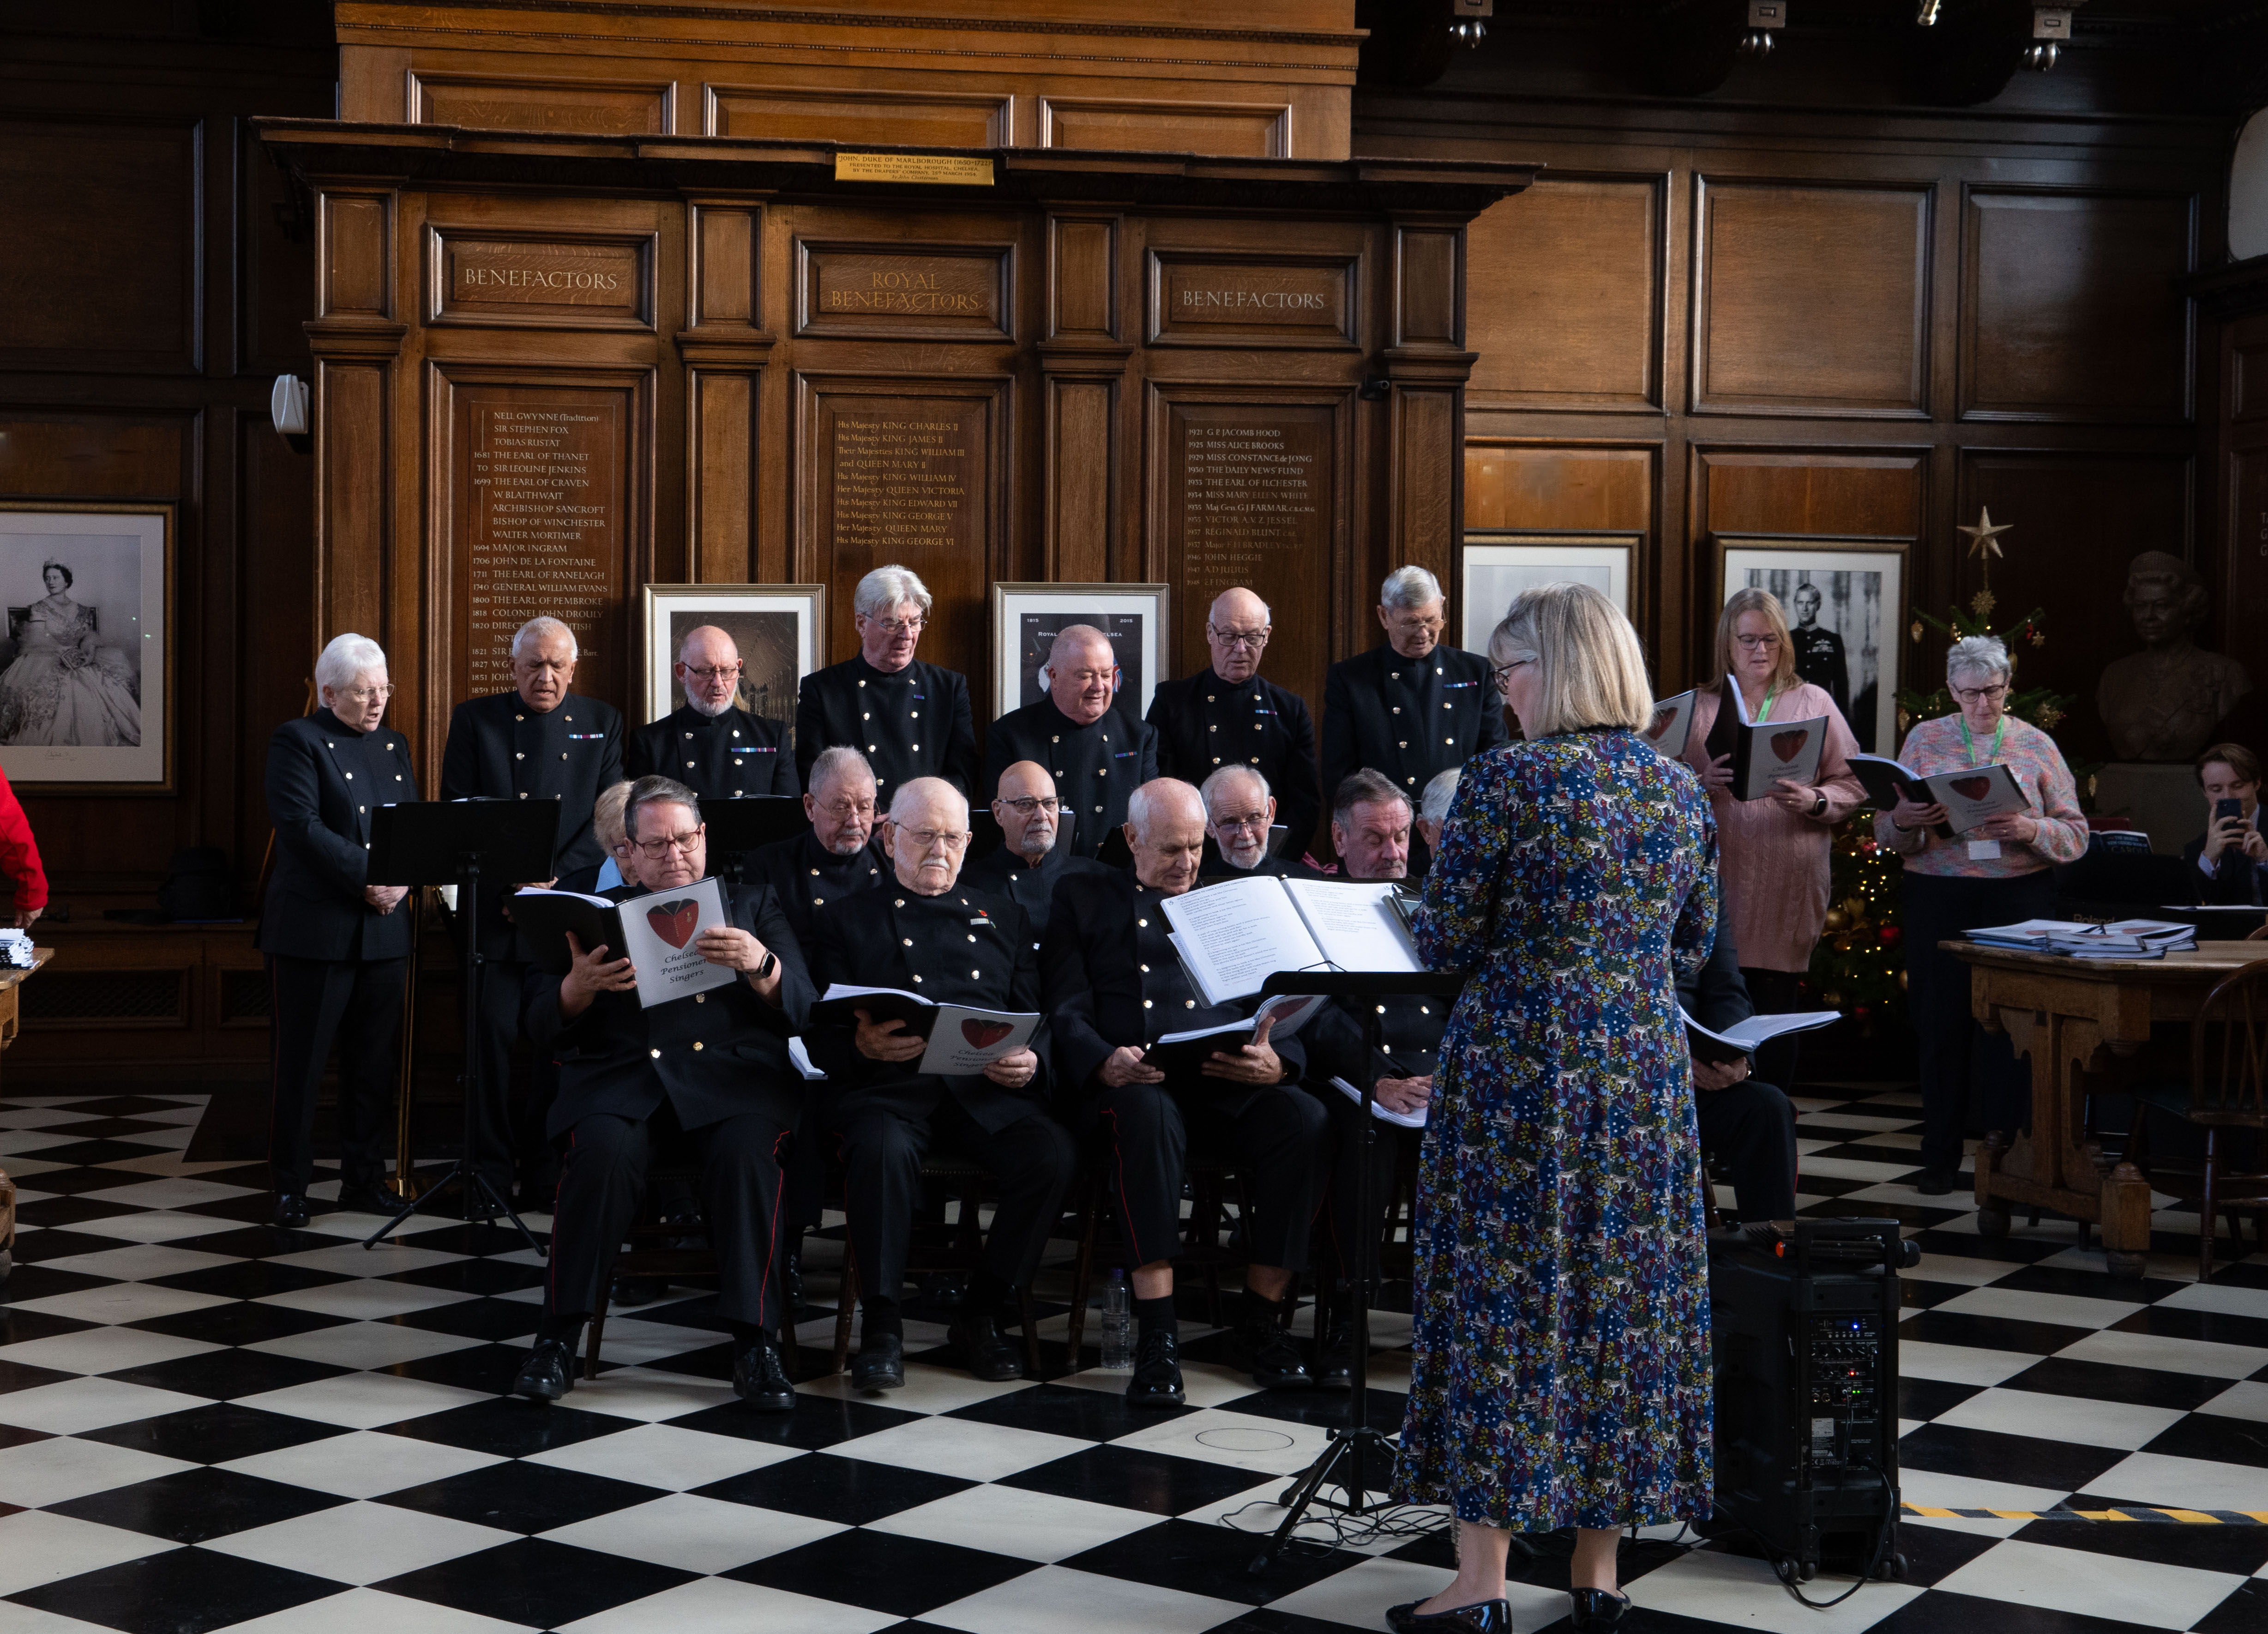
[(1773, 851), (1994, 874)]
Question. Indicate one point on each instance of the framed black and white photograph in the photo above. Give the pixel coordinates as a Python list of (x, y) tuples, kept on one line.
[(1500, 564), (1844, 599), (1027, 619), (780, 629), (87, 664)]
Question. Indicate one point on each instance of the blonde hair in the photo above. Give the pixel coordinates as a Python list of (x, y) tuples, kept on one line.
[(1588, 658), (607, 814), (1755, 601)]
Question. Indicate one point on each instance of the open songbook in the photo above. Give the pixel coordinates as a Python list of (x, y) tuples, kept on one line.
[(1742, 1037), (1763, 752), (1672, 724), (655, 932), (1972, 796), (1184, 1054), (1234, 936), (962, 1039)]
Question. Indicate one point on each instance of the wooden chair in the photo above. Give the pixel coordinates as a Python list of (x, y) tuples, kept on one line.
[(651, 1252), (1202, 1250), (2228, 1091)]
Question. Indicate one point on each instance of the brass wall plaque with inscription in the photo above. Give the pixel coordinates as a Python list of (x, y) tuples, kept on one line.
[(951, 170), (551, 281), (943, 292), (1215, 300)]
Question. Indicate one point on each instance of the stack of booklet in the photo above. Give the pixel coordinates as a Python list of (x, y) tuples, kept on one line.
[(2123, 938)]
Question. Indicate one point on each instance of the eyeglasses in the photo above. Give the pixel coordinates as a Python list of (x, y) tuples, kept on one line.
[(1502, 673), (658, 849), (1247, 822), (841, 809), (1434, 621), (363, 694), (1088, 677), (1757, 644), (1979, 694), (1031, 803), (1233, 639), (929, 839), (899, 625), (714, 672)]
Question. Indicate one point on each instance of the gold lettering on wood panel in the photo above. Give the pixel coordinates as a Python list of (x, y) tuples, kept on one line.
[(944, 295), (947, 169), (1212, 302), (900, 484), (551, 284)]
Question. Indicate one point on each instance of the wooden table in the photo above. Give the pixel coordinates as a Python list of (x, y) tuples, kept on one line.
[(10, 1009), (2084, 1023)]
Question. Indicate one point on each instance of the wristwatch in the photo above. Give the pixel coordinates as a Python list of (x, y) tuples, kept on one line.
[(763, 972), (1818, 803)]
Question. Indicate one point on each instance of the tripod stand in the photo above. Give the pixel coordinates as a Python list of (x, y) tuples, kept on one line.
[(1353, 1451), (436, 843)]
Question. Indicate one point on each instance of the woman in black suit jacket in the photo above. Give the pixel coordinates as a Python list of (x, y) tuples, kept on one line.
[(337, 947)]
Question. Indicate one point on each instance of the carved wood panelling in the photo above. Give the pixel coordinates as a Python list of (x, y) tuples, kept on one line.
[(937, 119), (508, 101), (534, 278), (1240, 300), (1569, 292), (1249, 130), (905, 291)]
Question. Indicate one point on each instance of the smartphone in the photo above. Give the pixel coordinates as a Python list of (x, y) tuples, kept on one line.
[(2223, 811)]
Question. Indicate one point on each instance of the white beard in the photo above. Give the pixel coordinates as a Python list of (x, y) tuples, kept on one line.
[(702, 706)]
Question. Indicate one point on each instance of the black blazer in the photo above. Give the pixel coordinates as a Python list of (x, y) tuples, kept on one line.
[(1409, 720), (501, 748), (962, 947), (711, 1055), (806, 876), (914, 724), (1114, 980), (1096, 767), (2238, 882), (1031, 887), (719, 757), (324, 779), (1408, 1030), (1203, 724), (1716, 995)]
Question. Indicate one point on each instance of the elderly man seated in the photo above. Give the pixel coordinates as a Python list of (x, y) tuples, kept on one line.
[(1095, 750), (1036, 856), (1115, 985), (925, 932), (711, 1067), (1239, 820)]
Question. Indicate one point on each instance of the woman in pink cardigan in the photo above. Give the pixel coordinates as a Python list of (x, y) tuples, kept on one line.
[(1774, 850)]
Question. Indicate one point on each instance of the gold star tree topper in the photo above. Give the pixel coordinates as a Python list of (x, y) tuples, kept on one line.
[(1985, 537)]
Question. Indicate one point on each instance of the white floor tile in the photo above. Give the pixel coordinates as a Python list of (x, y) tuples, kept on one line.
[(2062, 1309), (140, 1263), (703, 1534), (362, 1400), (361, 1464), (351, 1259), (1205, 1384), (17, 1142), (156, 1225), (1880, 1174), (74, 1405), (36, 1548), (102, 1349), (2222, 1298), (1731, 1589), (369, 1611), (2183, 1482), (1049, 1599), (1960, 1364), (360, 1543), (657, 1454), (2149, 1349), (121, 1302), (959, 1446), (179, 1193), (928, 1388), (1960, 1201), (653, 1396), (2141, 1592), (62, 1468), (2247, 1400), (369, 1299), (1955, 1268), (1029, 1526), (25, 1115), (1268, 1445), (2123, 1425), (720, 1606), (2157, 1267), (341, 1223), (364, 1345)]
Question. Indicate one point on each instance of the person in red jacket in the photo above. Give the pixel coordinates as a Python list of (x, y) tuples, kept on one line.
[(19, 857)]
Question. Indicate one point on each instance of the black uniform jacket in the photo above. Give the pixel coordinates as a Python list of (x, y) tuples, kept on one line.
[(1715, 995), (1409, 720), (719, 757), (501, 748), (806, 876), (712, 1055), (1819, 659), (1031, 885), (914, 724), (1096, 767), (2237, 883), (1203, 724), (1212, 867), (1115, 981), (961, 947), (324, 780), (1410, 1027)]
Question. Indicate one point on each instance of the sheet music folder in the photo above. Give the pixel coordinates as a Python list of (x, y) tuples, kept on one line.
[(429, 842)]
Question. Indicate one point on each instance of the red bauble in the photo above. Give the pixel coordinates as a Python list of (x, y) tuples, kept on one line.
[(1892, 936), (1859, 1013)]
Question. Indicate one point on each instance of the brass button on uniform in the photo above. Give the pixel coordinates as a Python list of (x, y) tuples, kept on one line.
[(697, 1044), (656, 1054), (700, 998)]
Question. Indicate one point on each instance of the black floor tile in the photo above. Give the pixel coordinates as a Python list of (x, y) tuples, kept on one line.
[(1208, 1560), (16, 1326), (489, 1368), (257, 1241), (476, 1319), (883, 1571), (1328, 1409), (190, 1506), (2216, 1440), (182, 1591), (476, 1238), (213, 1434), (521, 1497), (1066, 1410), (61, 1183), (2214, 1326), (16, 1435), (510, 1427), (37, 1247), (2100, 1381), (533, 1583), (24, 1376), (2013, 1250), (818, 1421), (1935, 1553), (2239, 1550), (2026, 1460), (1993, 1333), (1930, 1398), (715, 1361), (91, 1148), (60, 1214), (131, 1106), (484, 1277), (247, 1279), (850, 1490), (1916, 1294), (224, 1375), (238, 1322), (252, 1208), (1938, 1612), (1134, 1479), (2088, 1285)]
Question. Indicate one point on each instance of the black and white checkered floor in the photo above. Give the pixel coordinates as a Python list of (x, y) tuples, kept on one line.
[(207, 1423)]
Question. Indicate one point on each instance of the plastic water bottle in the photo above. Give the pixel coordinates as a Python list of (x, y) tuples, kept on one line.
[(1117, 1325)]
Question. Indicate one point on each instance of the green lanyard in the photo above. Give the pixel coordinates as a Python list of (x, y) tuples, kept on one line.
[(1968, 743), (1764, 714)]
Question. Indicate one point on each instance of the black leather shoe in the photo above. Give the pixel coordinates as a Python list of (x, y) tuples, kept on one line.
[(880, 1363), (1259, 1346), (984, 1348), (636, 1289), (1933, 1183), (547, 1373), (1487, 1617), (360, 1199), (1597, 1608), (759, 1377), (290, 1210), (1334, 1357), (1157, 1380)]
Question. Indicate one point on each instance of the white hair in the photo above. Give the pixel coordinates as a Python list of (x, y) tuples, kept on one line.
[(540, 626), (885, 587), (1408, 588), (1434, 805), (1143, 801), (1219, 779), (1267, 614), (347, 656), (1977, 655), (838, 761), (922, 789)]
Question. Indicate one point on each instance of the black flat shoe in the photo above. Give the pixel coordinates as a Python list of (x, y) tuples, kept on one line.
[(290, 1210), (1597, 1608), (635, 1290), (1335, 1358), (880, 1363), (1157, 1380), (984, 1349), (759, 1377), (547, 1373), (367, 1200), (1271, 1356), (1935, 1183), (1487, 1617)]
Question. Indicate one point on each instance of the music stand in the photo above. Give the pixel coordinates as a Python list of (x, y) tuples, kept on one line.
[(453, 843), (748, 823), (1354, 1445)]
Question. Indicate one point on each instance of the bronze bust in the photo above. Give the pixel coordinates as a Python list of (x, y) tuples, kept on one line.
[(2162, 702)]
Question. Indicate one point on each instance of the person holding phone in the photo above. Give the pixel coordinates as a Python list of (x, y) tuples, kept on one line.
[(2231, 853)]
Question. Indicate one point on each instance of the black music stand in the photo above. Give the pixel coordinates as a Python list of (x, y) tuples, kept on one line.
[(1354, 1447), (748, 823), (452, 842)]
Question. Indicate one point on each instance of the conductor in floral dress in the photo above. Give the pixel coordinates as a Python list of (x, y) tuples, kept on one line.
[(1561, 1375)]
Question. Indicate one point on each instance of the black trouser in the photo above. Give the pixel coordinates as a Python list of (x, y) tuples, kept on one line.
[(356, 1003), (1348, 1233), (603, 1179), (807, 1170), (1030, 1162), (513, 1106), (1956, 1054), (1771, 993), (1752, 1126), (1277, 1142)]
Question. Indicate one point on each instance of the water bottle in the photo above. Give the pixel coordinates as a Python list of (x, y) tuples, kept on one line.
[(1117, 1325)]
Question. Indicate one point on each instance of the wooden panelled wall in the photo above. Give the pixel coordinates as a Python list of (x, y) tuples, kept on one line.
[(1730, 324)]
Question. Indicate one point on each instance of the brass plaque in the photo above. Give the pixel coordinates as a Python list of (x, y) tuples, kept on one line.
[(942, 293), (494, 279), (1247, 301), (951, 170)]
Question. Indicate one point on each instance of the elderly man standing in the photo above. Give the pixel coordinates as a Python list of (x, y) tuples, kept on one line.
[(1114, 986), (710, 1068), (927, 933), (337, 947), (1413, 708), (1226, 715), (909, 720), (1096, 752), (708, 743), (539, 741), (1028, 868), (1240, 816)]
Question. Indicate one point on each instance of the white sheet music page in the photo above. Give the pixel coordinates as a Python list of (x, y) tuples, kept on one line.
[(1354, 924), (1234, 936)]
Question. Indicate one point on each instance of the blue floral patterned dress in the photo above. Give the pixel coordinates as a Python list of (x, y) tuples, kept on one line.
[(1562, 1372)]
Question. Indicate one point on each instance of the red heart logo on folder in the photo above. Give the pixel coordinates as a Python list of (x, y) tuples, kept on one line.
[(985, 1034), (1787, 745), (1662, 719), (1970, 788), (674, 922)]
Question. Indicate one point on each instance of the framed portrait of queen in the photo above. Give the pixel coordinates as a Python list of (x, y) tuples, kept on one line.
[(86, 655)]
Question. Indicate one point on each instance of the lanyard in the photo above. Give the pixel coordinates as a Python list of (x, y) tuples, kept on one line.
[(1968, 743), (1763, 713)]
